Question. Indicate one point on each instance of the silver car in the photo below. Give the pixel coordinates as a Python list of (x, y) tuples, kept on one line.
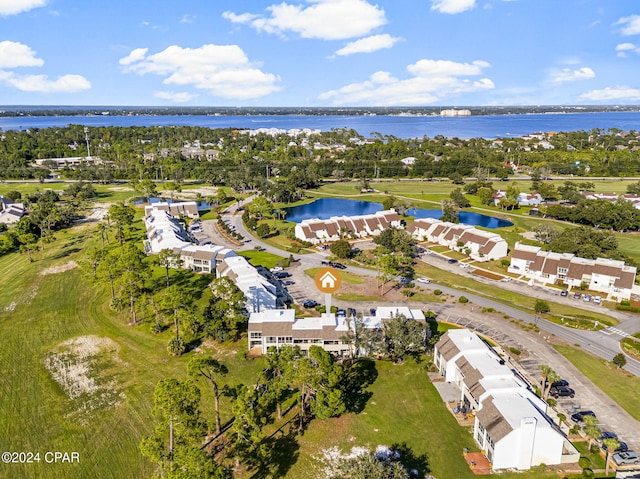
[(627, 457)]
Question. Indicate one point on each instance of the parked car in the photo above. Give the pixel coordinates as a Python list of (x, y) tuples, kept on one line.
[(622, 447), (428, 252), (338, 265), (309, 303), (586, 297), (579, 416), (564, 292), (506, 279), (351, 312), (607, 435), (562, 391), (276, 269), (464, 265), (341, 313), (372, 311), (597, 300), (423, 280), (627, 457), (452, 261), (577, 295), (288, 283), (561, 382)]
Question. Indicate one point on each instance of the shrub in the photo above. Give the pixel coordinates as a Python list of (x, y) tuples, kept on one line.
[(463, 299), (515, 351), (437, 292), (584, 462), (176, 346), (620, 360)]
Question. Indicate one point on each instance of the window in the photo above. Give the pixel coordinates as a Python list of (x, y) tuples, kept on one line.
[(271, 339), (255, 334), (480, 435)]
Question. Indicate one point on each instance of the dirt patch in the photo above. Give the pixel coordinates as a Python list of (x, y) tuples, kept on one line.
[(59, 269), (487, 274), (84, 369), (369, 289)]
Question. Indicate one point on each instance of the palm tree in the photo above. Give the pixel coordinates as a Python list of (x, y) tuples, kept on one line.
[(611, 444), (591, 428)]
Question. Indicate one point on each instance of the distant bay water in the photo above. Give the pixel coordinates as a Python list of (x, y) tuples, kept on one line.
[(480, 126)]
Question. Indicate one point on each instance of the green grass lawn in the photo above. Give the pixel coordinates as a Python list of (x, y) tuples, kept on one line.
[(511, 298), (621, 386), (262, 258), (404, 407), (347, 277), (38, 314)]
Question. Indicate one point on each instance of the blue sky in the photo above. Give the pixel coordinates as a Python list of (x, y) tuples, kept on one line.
[(319, 52)]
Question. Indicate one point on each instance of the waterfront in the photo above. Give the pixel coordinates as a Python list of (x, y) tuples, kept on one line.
[(481, 126), (325, 208)]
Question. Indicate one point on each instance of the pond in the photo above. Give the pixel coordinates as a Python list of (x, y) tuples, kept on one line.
[(325, 208)]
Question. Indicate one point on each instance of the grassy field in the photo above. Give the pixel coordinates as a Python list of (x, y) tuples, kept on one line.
[(621, 386), (403, 408), (429, 194), (262, 258), (511, 298), (57, 332)]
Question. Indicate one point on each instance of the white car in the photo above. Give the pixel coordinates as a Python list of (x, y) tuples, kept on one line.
[(277, 269), (464, 265), (428, 252), (423, 280)]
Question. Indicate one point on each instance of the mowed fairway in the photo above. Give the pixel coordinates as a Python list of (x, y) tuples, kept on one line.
[(104, 418)]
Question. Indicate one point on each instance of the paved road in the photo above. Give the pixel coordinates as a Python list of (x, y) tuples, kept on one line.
[(603, 344), (507, 333)]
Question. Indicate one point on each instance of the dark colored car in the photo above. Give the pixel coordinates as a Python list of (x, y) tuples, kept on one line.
[(562, 382), (372, 311), (309, 303), (622, 447), (338, 265), (351, 312), (452, 261), (607, 435), (564, 292), (282, 274), (577, 295), (561, 391), (288, 283), (579, 416)]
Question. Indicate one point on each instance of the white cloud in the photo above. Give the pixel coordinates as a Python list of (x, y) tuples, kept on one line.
[(322, 19), (42, 84), (15, 54), (222, 70), (187, 18), (624, 48), (568, 75), (630, 25), (176, 97), (618, 93), (432, 81), (368, 44), (135, 56), (13, 7), (452, 6)]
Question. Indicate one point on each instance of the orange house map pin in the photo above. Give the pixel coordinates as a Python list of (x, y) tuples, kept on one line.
[(327, 280)]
